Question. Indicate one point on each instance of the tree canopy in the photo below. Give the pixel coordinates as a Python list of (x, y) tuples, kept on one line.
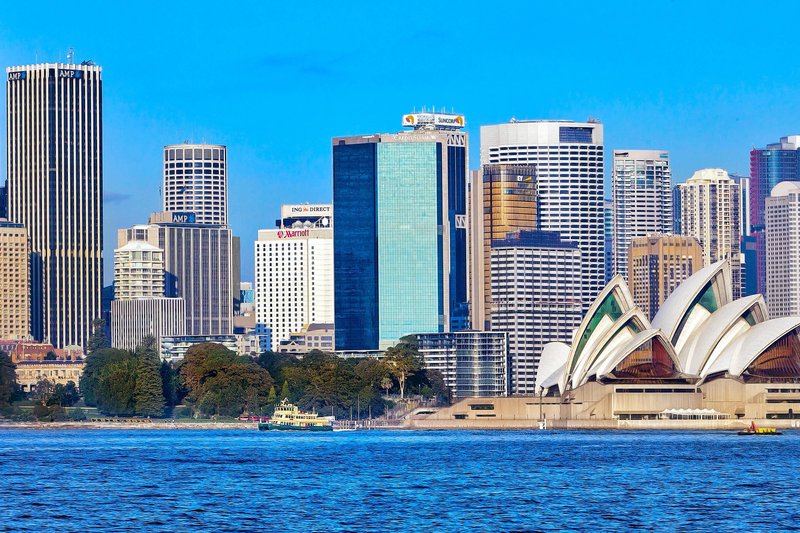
[(8, 379)]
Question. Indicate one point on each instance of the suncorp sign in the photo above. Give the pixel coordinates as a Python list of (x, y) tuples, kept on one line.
[(441, 120)]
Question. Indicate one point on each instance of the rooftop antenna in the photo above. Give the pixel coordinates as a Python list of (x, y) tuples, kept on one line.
[(70, 55)]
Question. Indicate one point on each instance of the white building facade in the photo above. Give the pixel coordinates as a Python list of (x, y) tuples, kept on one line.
[(134, 319), (196, 181), (782, 221), (294, 280), (641, 188), (710, 203), (569, 171), (138, 271), (536, 298)]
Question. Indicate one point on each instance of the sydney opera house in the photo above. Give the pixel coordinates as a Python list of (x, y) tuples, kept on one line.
[(705, 360)]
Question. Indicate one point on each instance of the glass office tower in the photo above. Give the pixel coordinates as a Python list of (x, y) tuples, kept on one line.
[(400, 238)]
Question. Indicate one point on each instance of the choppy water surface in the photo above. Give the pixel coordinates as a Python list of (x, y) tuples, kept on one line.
[(396, 480)]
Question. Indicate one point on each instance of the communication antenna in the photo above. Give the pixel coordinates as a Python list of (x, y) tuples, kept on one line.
[(70, 55)]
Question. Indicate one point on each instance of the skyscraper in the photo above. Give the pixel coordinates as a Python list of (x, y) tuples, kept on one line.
[(536, 298), (657, 264), (55, 189), (769, 166), (400, 234), (197, 263), (15, 297), (196, 181), (782, 232), (569, 172), (503, 199), (294, 273), (710, 203), (641, 187)]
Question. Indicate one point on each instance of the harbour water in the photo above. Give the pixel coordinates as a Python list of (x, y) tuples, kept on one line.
[(397, 480)]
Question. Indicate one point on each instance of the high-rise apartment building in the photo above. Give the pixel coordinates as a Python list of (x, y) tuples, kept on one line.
[(294, 274), (55, 189), (657, 265), (710, 202), (769, 166), (536, 298), (197, 263), (641, 187), (400, 235), (138, 271), (502, 199), (15, 297), (568, 157), (782, 232), (196, 181), (749, 260)]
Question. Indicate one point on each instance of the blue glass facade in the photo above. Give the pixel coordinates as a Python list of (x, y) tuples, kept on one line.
[(355, 249), (410, 259), (399, 246)]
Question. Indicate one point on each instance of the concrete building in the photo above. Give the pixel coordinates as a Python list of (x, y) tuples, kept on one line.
[(55, 189), (710, 203), (174, 348), (657, 265), (138, 271), (502, 199), (196, 181), (294, 278), (568, 157), (536, 298), (782, 232), (29, 373), (197, 263), (769, 166), (472, 363), (134, 319), (641, 187), (15, 296), (400, 236), (312, 337)]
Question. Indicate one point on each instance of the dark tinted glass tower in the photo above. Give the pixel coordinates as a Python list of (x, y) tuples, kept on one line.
[(55, 188)]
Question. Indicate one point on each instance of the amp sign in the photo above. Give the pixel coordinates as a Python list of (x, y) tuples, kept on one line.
[(183, 218)]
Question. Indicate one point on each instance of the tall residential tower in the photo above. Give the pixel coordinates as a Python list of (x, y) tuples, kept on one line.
[(642, 194), (55, 189)]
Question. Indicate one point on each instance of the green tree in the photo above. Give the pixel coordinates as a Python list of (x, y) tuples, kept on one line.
[(149, 391), (438, 386), (95, 364), (8, 379), (65, 395), (221, 383), (402, 361), (272, 397), (116, 386), (51, 356), (43, 391), (98, 339), (285, 390)]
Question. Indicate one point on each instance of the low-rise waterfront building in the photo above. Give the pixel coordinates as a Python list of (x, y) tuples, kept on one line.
[(310, 337), (472, 363), (29, 373)]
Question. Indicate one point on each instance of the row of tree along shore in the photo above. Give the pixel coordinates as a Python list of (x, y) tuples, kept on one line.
[(212, 381)]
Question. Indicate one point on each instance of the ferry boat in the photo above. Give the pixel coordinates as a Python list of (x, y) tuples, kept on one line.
[(289, 417), (753, 430)]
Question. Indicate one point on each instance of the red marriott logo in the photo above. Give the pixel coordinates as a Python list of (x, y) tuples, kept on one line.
[(288, 234)]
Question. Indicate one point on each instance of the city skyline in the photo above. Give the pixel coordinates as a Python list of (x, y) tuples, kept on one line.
[(708, 102)]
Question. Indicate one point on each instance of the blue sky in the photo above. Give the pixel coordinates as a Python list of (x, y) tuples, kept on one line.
[(274, 82)]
